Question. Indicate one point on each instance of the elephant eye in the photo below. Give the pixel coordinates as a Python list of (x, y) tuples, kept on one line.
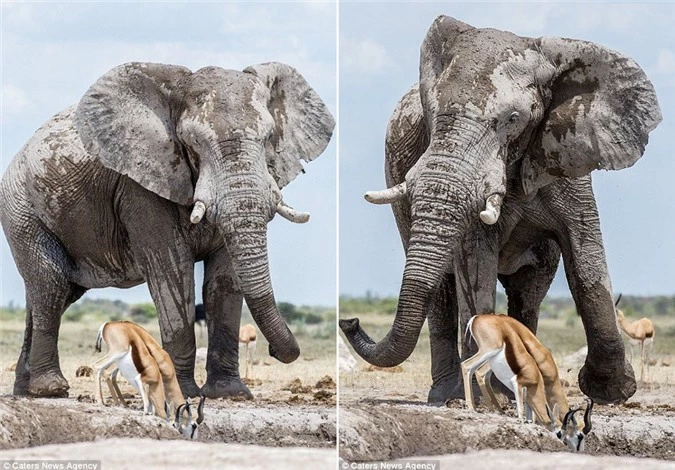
[(514, 117)]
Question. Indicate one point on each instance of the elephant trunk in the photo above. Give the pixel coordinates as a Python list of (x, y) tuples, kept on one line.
[(242, 212), (433, 244)]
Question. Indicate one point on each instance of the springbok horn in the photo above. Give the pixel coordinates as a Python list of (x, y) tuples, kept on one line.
[(616, 304), (197, 212), (288, 213), (587, 417), (200, 410), (179, 410), (493, 206), (566, 420), (387, 196)]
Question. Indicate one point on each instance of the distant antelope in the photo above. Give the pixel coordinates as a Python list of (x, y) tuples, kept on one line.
[(144, 363), (640, 332), (512, 352), (247, 338)]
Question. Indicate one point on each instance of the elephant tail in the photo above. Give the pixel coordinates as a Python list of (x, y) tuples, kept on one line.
[(99, 337)]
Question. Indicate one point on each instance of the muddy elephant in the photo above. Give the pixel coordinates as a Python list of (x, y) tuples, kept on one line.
[(488, 163), (155, 169)]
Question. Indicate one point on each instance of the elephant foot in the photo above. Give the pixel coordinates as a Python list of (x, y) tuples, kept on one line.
[(21, 386), (446, 389), (615, 386), (50, 384), (189, 388), (226, 388)]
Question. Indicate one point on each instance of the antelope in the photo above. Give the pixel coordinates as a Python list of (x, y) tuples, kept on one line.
[(510, 350), (247, 338), (640, 332), (143, 362)]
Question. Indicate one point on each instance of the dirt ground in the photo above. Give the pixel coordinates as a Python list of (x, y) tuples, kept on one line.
[(384, 415), (148, 454), (293, 406)]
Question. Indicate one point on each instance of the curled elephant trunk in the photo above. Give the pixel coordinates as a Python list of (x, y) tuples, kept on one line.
[(428, 256), (242, 214), (247, 245)]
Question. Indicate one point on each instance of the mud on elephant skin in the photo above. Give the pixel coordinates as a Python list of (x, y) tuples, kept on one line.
[(488, 162), (157, 168)]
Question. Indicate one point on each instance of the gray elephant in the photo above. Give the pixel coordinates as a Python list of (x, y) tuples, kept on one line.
[(105, 192), (488, 164)]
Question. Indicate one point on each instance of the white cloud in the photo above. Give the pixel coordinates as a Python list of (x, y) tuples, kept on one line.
[(14, 100), (363, 56)]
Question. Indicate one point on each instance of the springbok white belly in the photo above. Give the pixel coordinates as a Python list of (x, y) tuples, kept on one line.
[(128, 369), (502, 370)]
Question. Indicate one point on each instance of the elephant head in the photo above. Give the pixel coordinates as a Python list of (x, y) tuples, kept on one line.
[(223, 141), (501, 113)]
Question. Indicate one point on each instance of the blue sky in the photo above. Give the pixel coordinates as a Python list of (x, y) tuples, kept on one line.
[(52, 52), (379, 59)]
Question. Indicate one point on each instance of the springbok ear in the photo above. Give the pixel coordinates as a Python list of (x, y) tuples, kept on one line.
[(435, 53), (125, 120), (601, 112), (303, 126)]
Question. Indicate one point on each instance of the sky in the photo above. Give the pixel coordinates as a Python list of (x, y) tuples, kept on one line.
[(379, 60), (52, 52)]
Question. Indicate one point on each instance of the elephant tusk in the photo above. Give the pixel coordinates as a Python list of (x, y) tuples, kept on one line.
[(387, 196), (493, 205), (197, 212), (288, 213)]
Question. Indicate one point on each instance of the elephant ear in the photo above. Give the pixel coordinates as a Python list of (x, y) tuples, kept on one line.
[(435, 53), (125, 120), (601, 112), (303, 126)]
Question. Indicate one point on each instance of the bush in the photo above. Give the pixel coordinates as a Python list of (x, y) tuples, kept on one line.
[(142, 313), (73, 314)]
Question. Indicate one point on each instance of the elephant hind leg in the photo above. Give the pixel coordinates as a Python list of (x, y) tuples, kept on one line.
[(46, 269), (527, 287)]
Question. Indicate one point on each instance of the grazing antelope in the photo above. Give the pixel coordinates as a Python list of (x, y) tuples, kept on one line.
[(640, 332), (247, 338), (512, 352), (143, 362)]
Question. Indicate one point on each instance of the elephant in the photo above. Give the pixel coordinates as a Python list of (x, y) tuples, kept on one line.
[(487, 163), (157, 168)]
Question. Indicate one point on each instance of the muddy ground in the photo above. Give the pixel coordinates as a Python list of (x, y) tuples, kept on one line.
[(384, 415)]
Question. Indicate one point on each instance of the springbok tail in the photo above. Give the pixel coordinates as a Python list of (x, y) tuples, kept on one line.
[(99, 337), (468, 328)]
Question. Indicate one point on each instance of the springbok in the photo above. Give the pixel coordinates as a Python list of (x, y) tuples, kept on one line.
[(143, 362), (247, 338), (640, 332), (512, 352)]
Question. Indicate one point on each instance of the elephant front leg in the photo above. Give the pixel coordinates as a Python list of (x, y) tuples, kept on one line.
[(445, 363), (606, 377), (223, 302), (171, 284)]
